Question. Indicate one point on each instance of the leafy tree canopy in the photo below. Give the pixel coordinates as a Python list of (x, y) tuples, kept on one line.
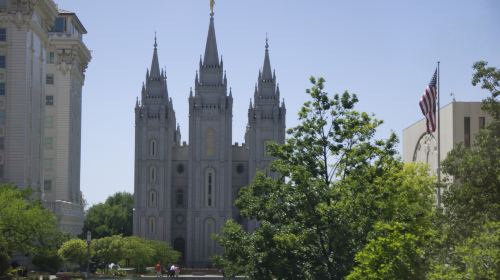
[(25, 225), (332, 184), (74, 251), (113, 217)]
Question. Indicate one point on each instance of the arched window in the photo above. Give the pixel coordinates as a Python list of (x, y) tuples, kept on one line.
[(210, 187), (152, 225), (152, 198), (152, 148), (152, 174), (210, 142)]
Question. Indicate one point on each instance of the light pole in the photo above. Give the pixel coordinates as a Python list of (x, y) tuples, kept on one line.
[(89, 237)]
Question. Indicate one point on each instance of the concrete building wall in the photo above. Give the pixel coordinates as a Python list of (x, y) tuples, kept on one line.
[(26, 27), (418, 146), (41, 143)]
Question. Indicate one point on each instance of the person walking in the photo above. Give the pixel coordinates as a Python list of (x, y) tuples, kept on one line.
[(158, 270)]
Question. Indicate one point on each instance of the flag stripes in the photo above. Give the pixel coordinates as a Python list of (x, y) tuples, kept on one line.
[(428, 104)]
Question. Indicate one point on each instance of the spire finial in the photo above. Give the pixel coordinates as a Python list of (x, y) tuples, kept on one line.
[(267, 42), (212, 4), (156, 44)]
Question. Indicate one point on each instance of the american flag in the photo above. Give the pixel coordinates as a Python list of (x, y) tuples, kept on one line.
[(428, 104)]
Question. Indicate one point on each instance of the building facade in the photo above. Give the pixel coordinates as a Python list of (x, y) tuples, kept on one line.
[(185, 193), (460, 122), (42, 64)]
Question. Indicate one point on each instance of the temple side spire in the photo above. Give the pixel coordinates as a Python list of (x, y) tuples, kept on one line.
[(155, 65), (267, 74), (211, 54)]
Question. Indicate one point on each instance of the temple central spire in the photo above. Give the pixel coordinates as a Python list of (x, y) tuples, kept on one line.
[(211, 54)]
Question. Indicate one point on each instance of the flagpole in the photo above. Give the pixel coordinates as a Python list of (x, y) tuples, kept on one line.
[(438, 140)]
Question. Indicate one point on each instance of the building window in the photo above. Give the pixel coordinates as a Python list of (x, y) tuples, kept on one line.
[(3, 34), (59, 25), (210, 142), (2, 118), (2, 88), (49, 79), (1, 170), (48, 164), (152, 199), (467, 131), (180, 168), (240, 168), (152, 148), (2, 143), (152, 174), (152, 224), (179, 197), (2, 61), (48, 143), (50, 57), (210, 187), (482, 122), (47, 185), (49, 121), (49, 100)]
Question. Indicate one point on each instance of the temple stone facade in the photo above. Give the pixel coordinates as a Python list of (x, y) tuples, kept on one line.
[(184, 193)]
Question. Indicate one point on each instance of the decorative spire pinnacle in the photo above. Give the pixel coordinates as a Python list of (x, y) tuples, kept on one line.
[(266, 70), (211, 54), (212, 4), (155, 65)]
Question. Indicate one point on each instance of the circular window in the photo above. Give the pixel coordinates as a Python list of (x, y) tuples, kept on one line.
[(179, 219), (240, 168), (180, 168)]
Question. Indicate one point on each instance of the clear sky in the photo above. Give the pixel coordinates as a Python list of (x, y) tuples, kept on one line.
[(385, 51)]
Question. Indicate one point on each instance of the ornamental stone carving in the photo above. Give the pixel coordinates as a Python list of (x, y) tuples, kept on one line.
[(66, 60)]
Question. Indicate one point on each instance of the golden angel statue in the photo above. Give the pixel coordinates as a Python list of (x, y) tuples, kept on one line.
[(212, 4)]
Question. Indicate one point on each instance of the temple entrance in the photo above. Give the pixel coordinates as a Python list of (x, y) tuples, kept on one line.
[(180, 246)]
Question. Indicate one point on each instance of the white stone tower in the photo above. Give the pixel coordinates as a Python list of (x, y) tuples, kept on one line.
[(154, 137), (266, 121), (210, 155)]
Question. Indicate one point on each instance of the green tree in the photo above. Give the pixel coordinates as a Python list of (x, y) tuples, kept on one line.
[(108, 249), (332, 182), (113, 217), (138, 252), (25, 225), (163, 252), (4, 257), (74, 252), (400, 249)]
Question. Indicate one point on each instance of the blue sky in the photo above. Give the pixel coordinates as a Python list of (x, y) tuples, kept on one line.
[(385, 51)]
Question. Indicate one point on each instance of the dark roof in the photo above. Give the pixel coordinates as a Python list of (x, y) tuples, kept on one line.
[(77, 20)]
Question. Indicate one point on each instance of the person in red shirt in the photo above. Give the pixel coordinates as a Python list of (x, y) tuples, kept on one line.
[(158, 269)]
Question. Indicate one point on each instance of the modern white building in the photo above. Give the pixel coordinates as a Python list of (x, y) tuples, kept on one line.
[(67, 59), (185, 193), (460, 122), (42, 64)]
